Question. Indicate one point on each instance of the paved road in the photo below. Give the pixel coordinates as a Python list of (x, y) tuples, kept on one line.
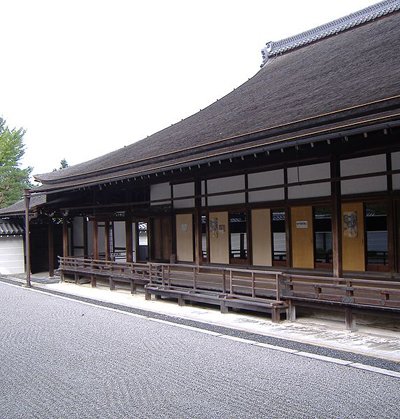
[(64, 359)]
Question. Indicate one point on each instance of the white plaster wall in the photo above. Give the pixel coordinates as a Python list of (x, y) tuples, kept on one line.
[(396, 166), (181, 190), (11, 255), (226, 184), (160, 191)]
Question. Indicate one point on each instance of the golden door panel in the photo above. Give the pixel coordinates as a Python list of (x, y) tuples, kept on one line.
[(302, 237), (353, 247), (184, 237), (219, 237), (261, 237)]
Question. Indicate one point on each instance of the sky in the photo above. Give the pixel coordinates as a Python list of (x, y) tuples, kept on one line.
[(86, 77)]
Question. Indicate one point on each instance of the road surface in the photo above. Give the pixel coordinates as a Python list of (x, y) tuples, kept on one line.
[(65, 359)]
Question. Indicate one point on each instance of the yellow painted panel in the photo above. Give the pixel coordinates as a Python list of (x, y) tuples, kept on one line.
[(261, 237), (353, 247), (219, 237), (184, 237), (302, 237)]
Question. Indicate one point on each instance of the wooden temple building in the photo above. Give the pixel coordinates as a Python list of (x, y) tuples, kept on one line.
[(282, 194)]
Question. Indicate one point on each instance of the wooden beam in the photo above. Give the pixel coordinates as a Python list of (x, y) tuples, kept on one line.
[(337, 260), (51, 247)]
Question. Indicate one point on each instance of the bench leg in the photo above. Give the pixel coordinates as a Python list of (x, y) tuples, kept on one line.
[(291, 311), (76, 278), (181, 301), (93, 281), (223, 308), (350, 320), (275, 315), (133, 287), (147, 295), (112, 284)]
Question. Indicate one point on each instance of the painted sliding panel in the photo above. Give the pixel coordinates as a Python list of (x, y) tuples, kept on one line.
[(219, 237), (184, 237), (363, 166), (302, 237), (261, 237), (353, 236)]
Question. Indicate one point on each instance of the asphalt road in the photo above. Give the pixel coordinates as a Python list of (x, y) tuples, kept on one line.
[(61, 358)]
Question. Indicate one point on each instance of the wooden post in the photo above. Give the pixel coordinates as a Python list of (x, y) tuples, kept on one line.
[(198, 256), (51, 247), (27, 240), (128, 237), (85, 237), (336, 220), (350, 320), (65, 238), (107, 239), (95, 240)]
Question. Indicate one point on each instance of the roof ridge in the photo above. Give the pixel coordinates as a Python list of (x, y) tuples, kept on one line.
[(274, 48)]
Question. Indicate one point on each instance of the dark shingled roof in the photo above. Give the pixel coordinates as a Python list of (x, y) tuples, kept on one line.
[(19, 207), (11, 228), (351, 79)]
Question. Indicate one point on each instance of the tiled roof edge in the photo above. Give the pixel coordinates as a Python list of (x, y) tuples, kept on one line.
[(332, 28)]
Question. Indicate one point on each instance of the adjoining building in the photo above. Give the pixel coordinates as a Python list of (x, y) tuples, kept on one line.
[(296, 171)]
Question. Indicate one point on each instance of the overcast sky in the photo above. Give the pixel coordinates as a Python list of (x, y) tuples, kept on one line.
[(85, 77)]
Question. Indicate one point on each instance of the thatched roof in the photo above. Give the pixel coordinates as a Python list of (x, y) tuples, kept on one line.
[(346, 79)]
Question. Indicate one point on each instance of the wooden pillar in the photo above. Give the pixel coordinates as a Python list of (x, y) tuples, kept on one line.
[(128, 237), (95, 240), (27, 198), (336, 219), (85, 237), (65, 238), (51, 247), (107, 239), (198, 256)]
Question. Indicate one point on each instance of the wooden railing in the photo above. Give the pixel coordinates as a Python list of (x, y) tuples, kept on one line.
[(243, 283), (229, 281), (346, 291)]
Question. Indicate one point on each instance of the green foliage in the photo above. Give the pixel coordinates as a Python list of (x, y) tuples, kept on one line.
[(63, 165), (13, 179)]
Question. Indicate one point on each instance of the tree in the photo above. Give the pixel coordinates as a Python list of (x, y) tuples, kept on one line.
[(13, 179), (63, 165)]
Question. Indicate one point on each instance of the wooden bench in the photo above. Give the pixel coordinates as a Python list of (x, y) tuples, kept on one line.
[(224, 301)]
